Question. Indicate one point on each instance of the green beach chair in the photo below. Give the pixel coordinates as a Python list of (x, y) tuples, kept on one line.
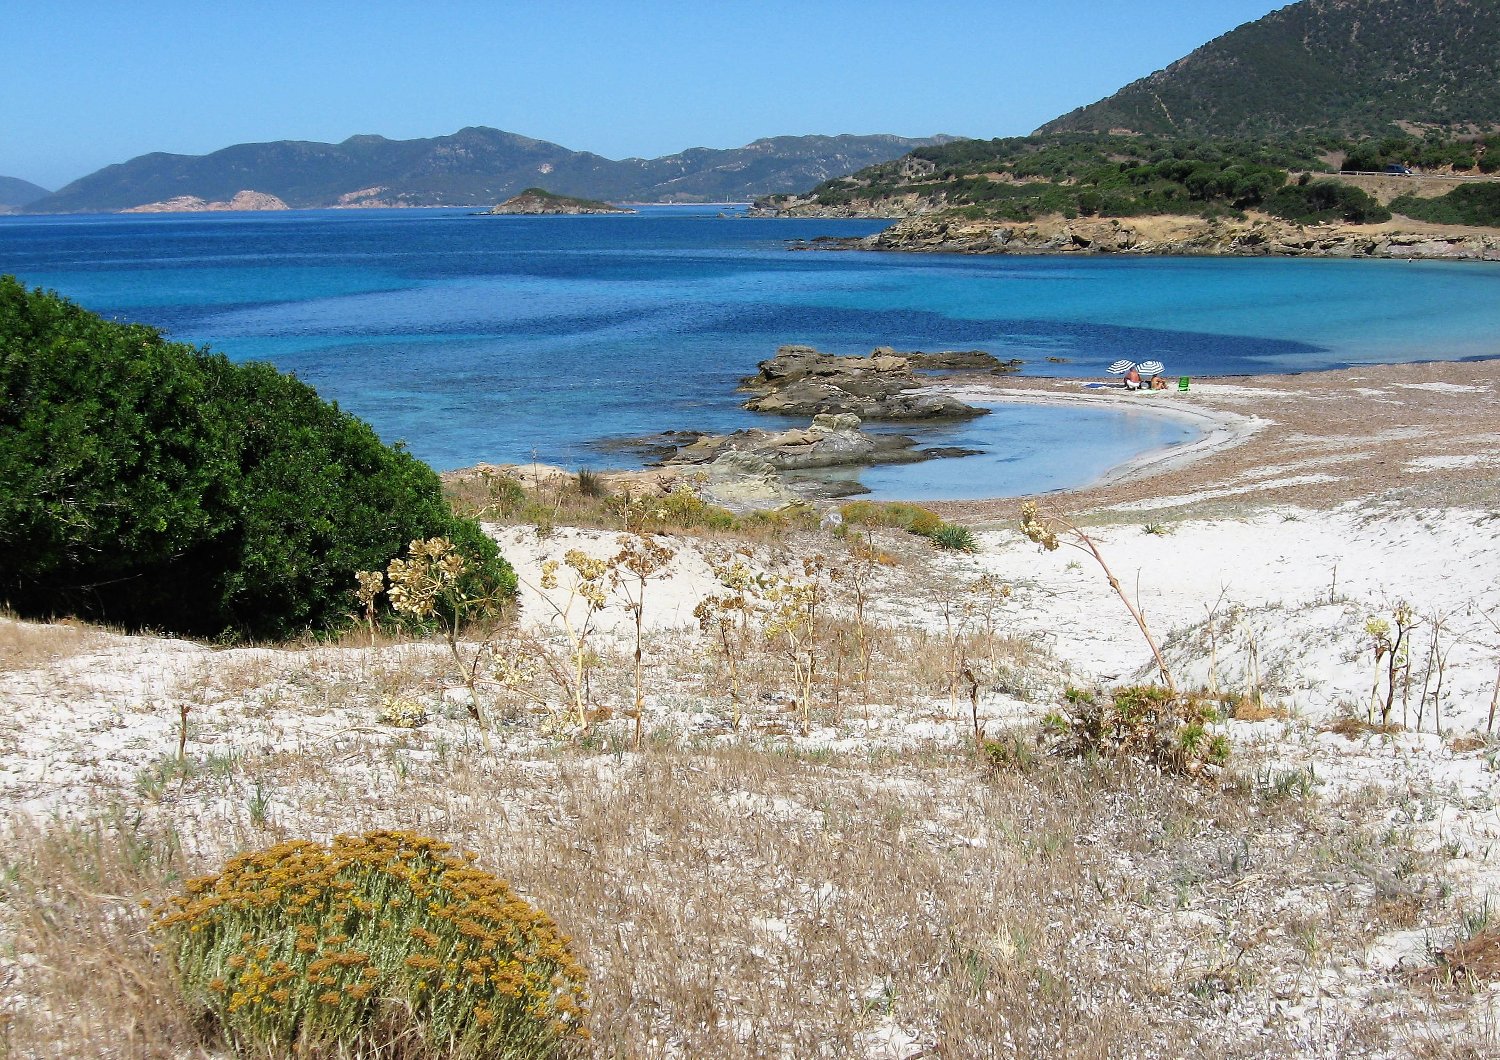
[(1182, 383)]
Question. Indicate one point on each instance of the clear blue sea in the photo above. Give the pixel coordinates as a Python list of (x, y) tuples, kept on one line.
[(502, 338)]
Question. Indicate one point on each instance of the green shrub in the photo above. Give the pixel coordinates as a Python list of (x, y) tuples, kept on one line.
[(953, 536), (369, 944), (912, 518), (1011, 752), (149, 483), (1146, 722), (1470, 204), (1325, 200)]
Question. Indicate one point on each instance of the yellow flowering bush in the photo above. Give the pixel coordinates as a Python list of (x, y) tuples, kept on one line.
[(345, 949)]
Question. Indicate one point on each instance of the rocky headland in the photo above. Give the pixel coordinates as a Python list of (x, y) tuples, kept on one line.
[(801, 381), (243, 200), (537, 202), (1173, 235)]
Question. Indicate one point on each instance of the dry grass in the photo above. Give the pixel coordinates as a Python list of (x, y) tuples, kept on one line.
[(28, 646), (1354, 727), (746, 901)]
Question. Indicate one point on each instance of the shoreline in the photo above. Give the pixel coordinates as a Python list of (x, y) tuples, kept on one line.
[(1220, 429), (1426, 433)]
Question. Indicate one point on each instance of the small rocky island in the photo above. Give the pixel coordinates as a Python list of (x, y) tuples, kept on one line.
[(538, 202)]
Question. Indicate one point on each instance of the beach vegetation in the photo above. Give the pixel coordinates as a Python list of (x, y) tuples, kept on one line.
[(913, 518), (642, 558), (153, 484), (588, 500), (434, 584), (351, 948), (1148, 723)]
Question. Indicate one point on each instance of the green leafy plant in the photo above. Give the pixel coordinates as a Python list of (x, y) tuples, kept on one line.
[(1469, 204), (1145, 722), (1325, 200), (913, 518), (955, 537), (301, 949)]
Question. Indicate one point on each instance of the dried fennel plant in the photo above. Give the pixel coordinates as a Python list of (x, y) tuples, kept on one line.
[(587, 583), (795, 617), (642, 557), (1051, 529), (428, 586), (728, 616)]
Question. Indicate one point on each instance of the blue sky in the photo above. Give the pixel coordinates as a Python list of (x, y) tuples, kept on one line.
[(88, 83)]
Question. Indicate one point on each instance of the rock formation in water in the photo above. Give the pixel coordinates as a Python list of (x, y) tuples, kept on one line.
[(800, 381)]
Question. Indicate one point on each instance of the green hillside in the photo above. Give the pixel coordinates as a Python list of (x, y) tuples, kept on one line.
[(1020, 178), (1351, 66)]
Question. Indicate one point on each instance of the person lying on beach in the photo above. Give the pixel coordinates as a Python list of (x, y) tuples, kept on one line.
[(1132, 380), (1158, 383)]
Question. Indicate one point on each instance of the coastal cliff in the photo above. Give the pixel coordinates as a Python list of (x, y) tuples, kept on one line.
[(1255, 237)]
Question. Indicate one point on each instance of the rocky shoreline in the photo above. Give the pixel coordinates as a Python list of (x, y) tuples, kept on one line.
[(768, 468), (1261, 237)]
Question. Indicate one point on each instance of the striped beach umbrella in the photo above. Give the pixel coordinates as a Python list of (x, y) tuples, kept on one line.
[(1151, 368), (1121, 367)]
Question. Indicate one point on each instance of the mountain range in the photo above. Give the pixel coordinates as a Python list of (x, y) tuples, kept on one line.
[(16, 193), (1352, 67), (474, 166)]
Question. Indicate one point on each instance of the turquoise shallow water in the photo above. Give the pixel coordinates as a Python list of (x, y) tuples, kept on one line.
[(488, 338)]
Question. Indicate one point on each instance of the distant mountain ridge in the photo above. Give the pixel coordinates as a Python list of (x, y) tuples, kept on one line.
[(474, 166), (15, 192), (1342, 66)]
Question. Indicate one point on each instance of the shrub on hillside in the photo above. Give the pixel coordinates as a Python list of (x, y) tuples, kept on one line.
[(1325, 200), (1470, 204), (368, 946), (149, 483)]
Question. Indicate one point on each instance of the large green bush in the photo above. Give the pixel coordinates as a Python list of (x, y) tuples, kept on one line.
[(1325, 200), (149, 483), (1469, 204)]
